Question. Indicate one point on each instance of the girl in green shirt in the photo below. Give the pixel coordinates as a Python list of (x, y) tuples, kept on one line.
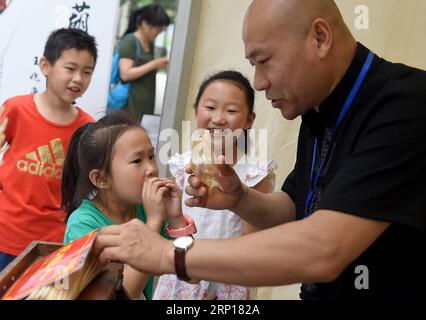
[(109, 172)]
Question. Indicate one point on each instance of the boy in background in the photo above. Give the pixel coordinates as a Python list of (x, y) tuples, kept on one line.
[(39, 128)]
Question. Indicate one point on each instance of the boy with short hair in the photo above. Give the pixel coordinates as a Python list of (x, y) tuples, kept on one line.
[(39, 128)]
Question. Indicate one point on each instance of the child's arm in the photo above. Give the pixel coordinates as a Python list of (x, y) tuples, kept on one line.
[(173, 199), (162, 201), (134, 281), (3, 124), (264, 186), (130, 73)]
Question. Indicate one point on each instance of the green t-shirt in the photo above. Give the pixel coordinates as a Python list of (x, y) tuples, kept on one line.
[(88, 218), (142, 91)]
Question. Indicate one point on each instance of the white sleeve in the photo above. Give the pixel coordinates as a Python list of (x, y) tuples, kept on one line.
[(177, 165), (257, 172)]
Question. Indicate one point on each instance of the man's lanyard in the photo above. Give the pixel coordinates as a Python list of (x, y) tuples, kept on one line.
[(345, 109)]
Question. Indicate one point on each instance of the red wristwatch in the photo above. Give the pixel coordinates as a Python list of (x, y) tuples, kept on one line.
[(181, 232)]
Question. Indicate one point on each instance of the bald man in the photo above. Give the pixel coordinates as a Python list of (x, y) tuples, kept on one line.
[(349, 222)]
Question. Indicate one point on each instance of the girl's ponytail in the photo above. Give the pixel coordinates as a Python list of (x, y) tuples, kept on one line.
[(133, 22), (71, 173)]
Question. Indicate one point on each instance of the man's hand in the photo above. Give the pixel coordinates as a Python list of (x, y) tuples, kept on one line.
[(233, 189), (3, 125), (137, 245)]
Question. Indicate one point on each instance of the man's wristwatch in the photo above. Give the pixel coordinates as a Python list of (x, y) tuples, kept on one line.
[(181, 245)]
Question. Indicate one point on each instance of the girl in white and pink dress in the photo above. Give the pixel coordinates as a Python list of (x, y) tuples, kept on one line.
[(224, 101)]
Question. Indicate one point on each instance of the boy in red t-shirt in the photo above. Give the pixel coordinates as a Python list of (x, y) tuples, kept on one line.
[(38, 130)]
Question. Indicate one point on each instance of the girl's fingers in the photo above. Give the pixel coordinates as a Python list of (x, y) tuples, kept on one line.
[(156, 185), (152, 186), (144, 189), (174, 189), (154, 179), (162, 191), (159, 184), (172, 186), (148, 185)]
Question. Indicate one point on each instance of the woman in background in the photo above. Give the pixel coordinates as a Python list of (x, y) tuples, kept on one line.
[(137, 63)]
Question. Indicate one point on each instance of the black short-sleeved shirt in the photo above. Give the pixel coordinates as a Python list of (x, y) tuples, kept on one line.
[(376, 170)]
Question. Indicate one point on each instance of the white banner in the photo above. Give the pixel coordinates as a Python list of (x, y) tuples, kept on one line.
[(24, 28)]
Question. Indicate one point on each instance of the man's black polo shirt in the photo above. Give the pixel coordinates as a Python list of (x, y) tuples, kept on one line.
[(377, 170)]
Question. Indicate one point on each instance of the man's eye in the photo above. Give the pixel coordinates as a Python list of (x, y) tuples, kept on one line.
[(68, 68), (209, 108), (262, 62)]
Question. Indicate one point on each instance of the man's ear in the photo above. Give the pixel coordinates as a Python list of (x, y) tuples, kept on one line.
[(98, 179), (323, 37), (44, 66)]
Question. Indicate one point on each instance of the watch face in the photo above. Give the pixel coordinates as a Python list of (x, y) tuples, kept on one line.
[(183, 242)]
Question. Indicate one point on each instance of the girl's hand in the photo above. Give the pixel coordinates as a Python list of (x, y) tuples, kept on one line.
[(152, 199), (173, 201), (3, 125), (162, 201)]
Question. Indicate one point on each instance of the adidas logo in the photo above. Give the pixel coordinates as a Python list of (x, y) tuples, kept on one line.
[(47, 162)]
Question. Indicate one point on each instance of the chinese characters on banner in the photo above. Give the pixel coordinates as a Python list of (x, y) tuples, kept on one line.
[(24, 29), (80, 17), (35, 77)]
